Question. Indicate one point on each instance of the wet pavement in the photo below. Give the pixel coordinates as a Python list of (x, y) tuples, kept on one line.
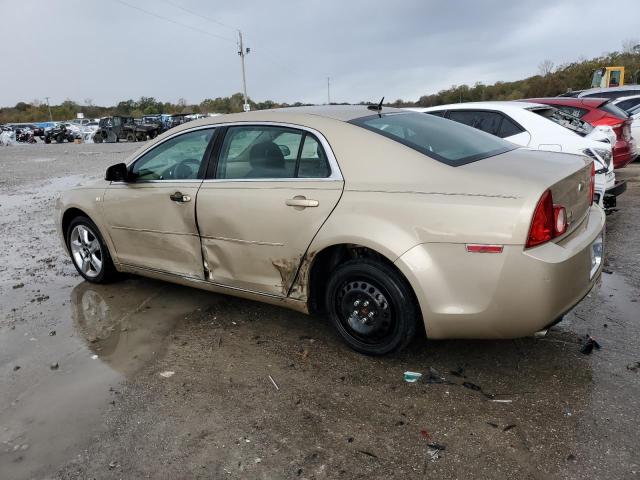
[(147, 379)]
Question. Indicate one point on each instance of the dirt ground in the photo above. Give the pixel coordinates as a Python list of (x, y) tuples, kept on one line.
[(143, 379)]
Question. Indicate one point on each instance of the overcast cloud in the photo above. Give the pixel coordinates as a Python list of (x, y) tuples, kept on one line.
[(107, 51)]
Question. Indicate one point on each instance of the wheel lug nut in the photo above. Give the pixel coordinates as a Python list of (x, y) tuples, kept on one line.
[(355, 312), (371, 314), (356, 303), (366, 303)]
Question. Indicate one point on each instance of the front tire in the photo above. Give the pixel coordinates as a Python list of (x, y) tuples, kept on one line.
[(89, 253), (371, 306)]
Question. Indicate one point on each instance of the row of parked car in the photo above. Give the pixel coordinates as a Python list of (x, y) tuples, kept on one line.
[(106, 129), (606, 129)]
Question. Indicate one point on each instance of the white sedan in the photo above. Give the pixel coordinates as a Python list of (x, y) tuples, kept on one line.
[(534, 125)]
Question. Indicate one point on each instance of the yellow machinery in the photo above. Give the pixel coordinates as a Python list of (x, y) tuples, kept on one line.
[(606, 77)]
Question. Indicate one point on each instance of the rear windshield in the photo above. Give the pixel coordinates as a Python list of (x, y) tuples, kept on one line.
[(444, 140), (614, 110)]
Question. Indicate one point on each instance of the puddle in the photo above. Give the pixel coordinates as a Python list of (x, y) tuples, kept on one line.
[(103, 334)]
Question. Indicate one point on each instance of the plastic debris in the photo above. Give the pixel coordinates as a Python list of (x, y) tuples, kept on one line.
[(496, 400), (94, 357), (436, 446), (16, 368), (412, 377), (509, 427), (472, 386), (167, 374), (52, 333), (588, 345), (54, 366), (274, 382)]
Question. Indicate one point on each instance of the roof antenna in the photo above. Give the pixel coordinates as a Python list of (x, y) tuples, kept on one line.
[(378, 107)]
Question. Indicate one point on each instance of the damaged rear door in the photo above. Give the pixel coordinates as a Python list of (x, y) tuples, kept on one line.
[(262, 203)]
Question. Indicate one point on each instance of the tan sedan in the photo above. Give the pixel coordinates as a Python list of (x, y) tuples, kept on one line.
[(382, 219)]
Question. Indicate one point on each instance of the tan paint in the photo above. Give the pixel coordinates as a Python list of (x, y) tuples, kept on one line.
[(413, 210)]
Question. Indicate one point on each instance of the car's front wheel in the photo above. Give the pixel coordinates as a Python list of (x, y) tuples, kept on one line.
[(371, 306), (89, 252)]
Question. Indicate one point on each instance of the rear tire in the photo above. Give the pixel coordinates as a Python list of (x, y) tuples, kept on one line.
[(97, 138), (60, 139), (89, 253), (131, 137), (371, 306)]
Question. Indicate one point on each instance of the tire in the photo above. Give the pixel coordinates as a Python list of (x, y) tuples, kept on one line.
[(153, 134), (131, 137), (47, 139), (60, 139), (89, 253), (97, 138), (387, 323)]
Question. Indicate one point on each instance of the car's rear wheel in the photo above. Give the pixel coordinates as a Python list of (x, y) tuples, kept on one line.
[(89, 252), (131, 137), (371, 306)]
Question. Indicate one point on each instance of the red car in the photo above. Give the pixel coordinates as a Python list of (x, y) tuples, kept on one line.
[(599, 111)]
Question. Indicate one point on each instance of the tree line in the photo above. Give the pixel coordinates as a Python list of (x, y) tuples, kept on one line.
[(550, 81)]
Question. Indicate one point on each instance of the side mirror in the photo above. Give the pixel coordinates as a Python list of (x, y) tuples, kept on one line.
[(117, 173)]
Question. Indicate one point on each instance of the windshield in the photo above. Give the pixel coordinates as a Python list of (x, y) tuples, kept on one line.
[(444, 140)]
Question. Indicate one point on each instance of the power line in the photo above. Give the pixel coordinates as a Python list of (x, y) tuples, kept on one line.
[(204, 32), (235, 29)]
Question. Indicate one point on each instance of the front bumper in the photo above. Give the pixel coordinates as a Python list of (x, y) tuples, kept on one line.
[(507, 295)]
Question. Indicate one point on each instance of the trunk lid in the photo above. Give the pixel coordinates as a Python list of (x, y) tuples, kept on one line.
[(572, 192)]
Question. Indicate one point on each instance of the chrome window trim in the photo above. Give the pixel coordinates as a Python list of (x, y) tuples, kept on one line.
[(336, 173)]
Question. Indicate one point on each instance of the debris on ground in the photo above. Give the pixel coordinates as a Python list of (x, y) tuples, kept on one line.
[(509, 427), (472, 386), (18, 285), (412, 377), (425, 434), (364, 452), (54, 366), (167, 374), (274, 382), (17, 367), (494, 425), (458, 372), (436, 446), (607, 271), (113, 465), (499, 400), (634, 367), (588, 344), (52, 333)]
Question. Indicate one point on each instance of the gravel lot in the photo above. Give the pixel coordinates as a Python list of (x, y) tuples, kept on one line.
[(86, 389)]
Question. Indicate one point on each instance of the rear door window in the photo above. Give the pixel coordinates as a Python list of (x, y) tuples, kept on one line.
[(266, 152), (628, 104), (509, 128)]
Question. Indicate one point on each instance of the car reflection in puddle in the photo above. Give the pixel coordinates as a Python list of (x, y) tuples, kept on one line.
[(115, 331), (127, 325)]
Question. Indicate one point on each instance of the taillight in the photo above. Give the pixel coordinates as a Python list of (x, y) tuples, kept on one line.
[(592, 183), (549, 221), (541, 229), (559, 219)]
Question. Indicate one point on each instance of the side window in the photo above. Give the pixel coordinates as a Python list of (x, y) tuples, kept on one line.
[(437, 113), (179, 158), (628, 104), (313, 161), (486, 121), (270, 152), (509, 128)]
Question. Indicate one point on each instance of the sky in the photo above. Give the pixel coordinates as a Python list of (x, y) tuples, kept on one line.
[(105, 51)]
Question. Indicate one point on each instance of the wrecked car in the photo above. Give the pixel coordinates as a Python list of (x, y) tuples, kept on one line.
[(58, 133), (381, 219)]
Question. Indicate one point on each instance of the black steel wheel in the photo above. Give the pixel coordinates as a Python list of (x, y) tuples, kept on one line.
[(371, 306)]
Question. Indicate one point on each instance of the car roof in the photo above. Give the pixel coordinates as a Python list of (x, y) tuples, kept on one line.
[(502, 105), (628, 97), (623, 88)]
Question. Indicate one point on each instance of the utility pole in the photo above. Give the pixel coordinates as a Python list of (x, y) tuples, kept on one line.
[(328, 90), (49, 107), (243, 52)]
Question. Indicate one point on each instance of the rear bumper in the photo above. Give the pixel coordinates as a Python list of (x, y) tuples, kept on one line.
[(507, 295)]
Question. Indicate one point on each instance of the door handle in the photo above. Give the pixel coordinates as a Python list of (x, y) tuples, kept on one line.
[(179, 197), (300, 201)]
